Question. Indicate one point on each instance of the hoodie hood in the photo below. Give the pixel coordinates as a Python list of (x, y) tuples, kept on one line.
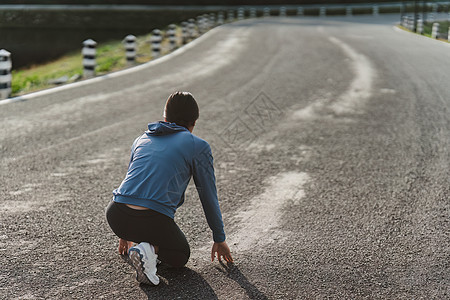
[(164, 128)]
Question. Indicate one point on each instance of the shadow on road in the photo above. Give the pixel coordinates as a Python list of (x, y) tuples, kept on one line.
[(180, 283), (233, 272), (184, 283)]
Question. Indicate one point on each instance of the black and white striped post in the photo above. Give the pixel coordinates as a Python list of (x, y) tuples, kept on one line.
[(206, 23), (201, 24), (89, 52), (419, 28), (266, 12), (448, 35), (375, 11), (171, 33), (435, 31), (220, 18), (348, 11), (411, 23), (404, 21), (130, 48), (407, 22), (184, 32), (323, 12), (5, 74), (155, 41), (191, 29), (212, 19), (240, 14), (282, 11), (252, 12), (300, 11), (230, 16)]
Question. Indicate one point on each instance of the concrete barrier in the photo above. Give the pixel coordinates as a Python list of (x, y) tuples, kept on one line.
[(405, 21), (375, 11), (191, 29), (5, 74), (172, 35), (130, 49), (89, 52), (206, 23), (348, 11), (212, 20), (200, 24), (419, 28), (220, 18), (435, 31), (184, 32), (155, 41), (240, 14), (230, 16), (411, 23)]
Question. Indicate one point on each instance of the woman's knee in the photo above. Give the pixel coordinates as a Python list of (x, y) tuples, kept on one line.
[(179, 261), (175, 259)]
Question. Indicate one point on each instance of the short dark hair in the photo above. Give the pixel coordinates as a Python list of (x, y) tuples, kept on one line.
[(181, 109)]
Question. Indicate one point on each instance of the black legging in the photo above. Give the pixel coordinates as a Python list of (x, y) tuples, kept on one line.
[(152, 227)]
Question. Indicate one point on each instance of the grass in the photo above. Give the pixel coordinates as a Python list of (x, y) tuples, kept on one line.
[(38, 77)]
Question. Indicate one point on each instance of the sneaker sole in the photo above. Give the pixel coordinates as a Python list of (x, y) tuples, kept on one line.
[(136, 261)]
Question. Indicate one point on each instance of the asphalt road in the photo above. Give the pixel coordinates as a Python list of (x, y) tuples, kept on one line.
[(331, 140)]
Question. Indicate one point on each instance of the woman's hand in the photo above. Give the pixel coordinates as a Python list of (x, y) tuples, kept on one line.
[(222, 250), (124, 245)]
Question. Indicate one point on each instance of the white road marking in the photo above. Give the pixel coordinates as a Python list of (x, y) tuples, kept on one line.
[(359, 91), (361, 87), (388, 91), (259, 225), (26, 188)]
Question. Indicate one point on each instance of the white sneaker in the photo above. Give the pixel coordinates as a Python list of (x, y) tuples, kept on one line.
[(144, 259)]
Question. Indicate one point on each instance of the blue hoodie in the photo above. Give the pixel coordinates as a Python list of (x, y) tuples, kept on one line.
[(163, 159)]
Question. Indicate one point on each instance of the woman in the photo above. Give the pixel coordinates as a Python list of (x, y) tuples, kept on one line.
[(163, 159)]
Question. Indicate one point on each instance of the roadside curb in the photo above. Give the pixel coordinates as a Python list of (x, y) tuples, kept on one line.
[(400, 30)]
